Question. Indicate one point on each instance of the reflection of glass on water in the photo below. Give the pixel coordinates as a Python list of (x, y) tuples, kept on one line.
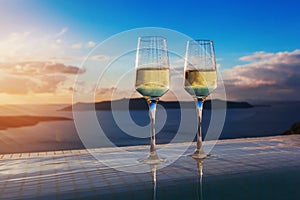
[(153, 174), (199, 163)]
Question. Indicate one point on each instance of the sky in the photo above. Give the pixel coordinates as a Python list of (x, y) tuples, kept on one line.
[(43, 45)]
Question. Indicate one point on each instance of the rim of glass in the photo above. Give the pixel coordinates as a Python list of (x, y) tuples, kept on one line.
[(197, 41), (149, 37)]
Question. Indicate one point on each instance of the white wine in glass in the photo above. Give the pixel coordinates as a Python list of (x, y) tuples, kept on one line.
[(152, 80), (200, 79)]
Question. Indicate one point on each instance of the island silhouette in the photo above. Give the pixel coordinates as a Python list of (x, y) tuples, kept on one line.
[(141, 104)]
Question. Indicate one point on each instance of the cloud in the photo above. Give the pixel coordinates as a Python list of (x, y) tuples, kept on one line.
[(19, 36), (24, 46), (106, 94), (37, 68), (38, 46), (26, 85), (79, 45), (55, 47), (266, 76), (61, 32), (35, 77), (79, 58), (257, 56), (58, 41), (90, 44), (99, 57), (14, 44), (76, 46), (62, 68)]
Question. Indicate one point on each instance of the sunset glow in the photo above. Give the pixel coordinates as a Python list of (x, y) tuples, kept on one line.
[(42, 47)]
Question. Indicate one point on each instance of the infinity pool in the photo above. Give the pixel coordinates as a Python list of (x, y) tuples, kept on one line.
[(256, 168)]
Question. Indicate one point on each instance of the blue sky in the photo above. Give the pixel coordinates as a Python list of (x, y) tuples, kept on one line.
[(238, 28)]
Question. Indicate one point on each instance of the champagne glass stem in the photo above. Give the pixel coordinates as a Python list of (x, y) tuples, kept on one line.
[(199, 105), (152, 111), (199, 152)]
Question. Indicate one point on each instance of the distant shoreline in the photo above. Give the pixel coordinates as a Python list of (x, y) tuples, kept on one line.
[(26, 120), (140, 104)]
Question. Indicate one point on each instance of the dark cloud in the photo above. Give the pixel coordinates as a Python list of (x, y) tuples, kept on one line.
[(293, 81), (267, 76)]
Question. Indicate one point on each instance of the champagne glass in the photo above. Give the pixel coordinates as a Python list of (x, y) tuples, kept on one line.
[(152, 80), (200, 79)]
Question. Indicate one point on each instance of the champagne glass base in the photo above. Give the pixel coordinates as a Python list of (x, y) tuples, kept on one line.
[(152, 159), (199, 154)]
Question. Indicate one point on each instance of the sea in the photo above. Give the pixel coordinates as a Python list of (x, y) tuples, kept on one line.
[(128, 128)]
